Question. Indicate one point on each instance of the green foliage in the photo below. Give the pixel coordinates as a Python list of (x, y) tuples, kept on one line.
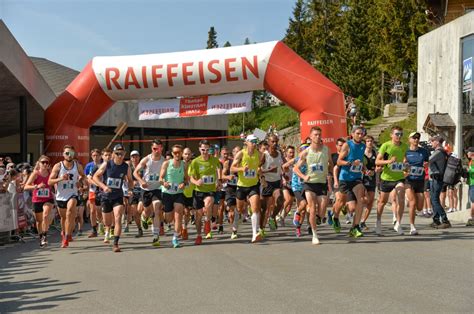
[(408, 125), (247, 41), (297, 33), (227, 44), (212, 38), (262, 118)]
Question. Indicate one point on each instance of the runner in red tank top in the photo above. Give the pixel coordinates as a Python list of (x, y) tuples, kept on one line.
[(42, 197)]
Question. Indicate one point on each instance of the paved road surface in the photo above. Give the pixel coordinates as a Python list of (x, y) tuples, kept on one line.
[(432, 272)]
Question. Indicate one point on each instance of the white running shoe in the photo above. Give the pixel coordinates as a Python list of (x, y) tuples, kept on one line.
[(348, 219), (398, 228), (394, 220), (315, 240), (450, 210), (378, 227), (413, 232)]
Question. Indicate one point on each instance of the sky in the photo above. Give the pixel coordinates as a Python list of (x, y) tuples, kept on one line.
[(71, 32)]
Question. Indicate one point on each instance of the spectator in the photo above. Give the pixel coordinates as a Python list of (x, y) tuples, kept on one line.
[(437, 165), (351, 110), (470, 182)]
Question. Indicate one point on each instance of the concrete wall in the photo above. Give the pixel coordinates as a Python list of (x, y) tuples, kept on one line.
[(439, 72)]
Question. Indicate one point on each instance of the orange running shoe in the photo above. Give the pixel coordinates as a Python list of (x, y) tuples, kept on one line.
[(198, 240), (184, 234)]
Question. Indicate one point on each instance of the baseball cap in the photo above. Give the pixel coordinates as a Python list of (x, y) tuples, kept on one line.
[(413, 134), (251, 138), (437, 138), (118, 147), (134, 152)]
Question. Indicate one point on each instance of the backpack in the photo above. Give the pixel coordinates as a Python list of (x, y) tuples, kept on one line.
[(453, 170)]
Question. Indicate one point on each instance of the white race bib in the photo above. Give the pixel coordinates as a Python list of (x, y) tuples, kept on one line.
[(397, 167), (417, 171), (316, 167), (356, 168), (173, 187), (67, 185), (233, 181), (250, 173), (208, 179), (43, 193), (153, 177), (113, 183)]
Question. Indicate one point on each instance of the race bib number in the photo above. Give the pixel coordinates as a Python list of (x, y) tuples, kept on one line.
[(316, 167), (417, 171), (250, 173), (173, 187), (67, 186), (153, 177), (357, 169), (233, 181), (113, 183), (43, 193), (397, 167), (208, 179)]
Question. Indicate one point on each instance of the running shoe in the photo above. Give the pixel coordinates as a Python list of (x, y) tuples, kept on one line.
[(378, 227), (244, 219), (156, 241), (45, 241), (297, 219), (330, 220), (358, 233), (413, 231), (315, 240), (262, 233), (234, 235), (92, 235), (198, 240), (64, 244), (336, 225), (348, 219), (363, 226), (184, 234), (175, 242), (207, 227), (444, 225), (79, 233), (470, 222), (126, 229), (42, 241), (150, 220), (298, 232), (209, 235), (257, 238), (221, 230), (435, 224), (116, 249), (193, 220), (272, 224), (144, 223), (168, 227), (398, 228), (318, 220), (69, 238), (140, 233), (394, 220), (106, 239)]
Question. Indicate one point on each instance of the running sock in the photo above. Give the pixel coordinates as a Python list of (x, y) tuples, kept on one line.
[(154, 231), (116, 240), (314, 232), (255, 224), (106, 234)]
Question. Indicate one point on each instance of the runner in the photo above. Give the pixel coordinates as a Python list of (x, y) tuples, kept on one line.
[(247, 165), (188, 195), (288, 194), (95, 214), (230, 187), (113, 173), (42, 197), (67, 175), (136, 205), (272, 194), (334, 179), (417, 158), (173, 178), (351, 161), (315, 186), (391, 156), (81, 204), (297, 187), (205, 174), (370, 180), (150, 184)]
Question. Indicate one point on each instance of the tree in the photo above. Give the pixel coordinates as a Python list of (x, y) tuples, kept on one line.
[(227, 44), (212, 38), (297, 33), (247, 41)]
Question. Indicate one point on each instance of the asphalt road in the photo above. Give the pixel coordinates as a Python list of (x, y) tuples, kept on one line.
[(432, 272)]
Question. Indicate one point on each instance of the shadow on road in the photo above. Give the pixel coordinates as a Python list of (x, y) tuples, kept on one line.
[(41, 293)]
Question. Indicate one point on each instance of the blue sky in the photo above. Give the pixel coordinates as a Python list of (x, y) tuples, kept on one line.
[(71, 32)]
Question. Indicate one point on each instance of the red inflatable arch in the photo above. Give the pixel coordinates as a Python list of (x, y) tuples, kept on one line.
[(271, 66)]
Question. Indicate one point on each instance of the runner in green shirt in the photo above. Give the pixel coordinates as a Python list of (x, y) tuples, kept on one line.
[(205, 173), (392, 157)]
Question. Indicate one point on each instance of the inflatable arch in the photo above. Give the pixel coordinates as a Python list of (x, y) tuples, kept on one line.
[(271, 66)]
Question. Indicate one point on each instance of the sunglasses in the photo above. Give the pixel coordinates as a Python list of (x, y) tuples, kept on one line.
[(176, 152), (398, 134), (44, 162), (119, 154), (416, 138), (70, 154)]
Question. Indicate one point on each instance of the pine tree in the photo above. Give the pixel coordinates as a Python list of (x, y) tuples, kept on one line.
[(247, 41), (297, 33), (212, 38), (227, 44)]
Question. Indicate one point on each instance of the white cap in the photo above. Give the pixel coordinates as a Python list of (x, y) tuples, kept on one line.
[(135, 152), (251, 137)]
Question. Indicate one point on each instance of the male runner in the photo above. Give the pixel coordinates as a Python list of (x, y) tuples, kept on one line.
[(150, 184), (315, 186), (247, 165), (288, 194), (231, 190), (67, 175), (91, 200), (297, 187), (110, 179), (188, 194), (136, 205), (391, 156), (205, 173), (369, 179)]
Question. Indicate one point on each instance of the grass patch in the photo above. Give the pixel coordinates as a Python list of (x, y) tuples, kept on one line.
[(408, 125), (373, 122)]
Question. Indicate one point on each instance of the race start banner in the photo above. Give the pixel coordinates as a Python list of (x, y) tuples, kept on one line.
[(195, 106)]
